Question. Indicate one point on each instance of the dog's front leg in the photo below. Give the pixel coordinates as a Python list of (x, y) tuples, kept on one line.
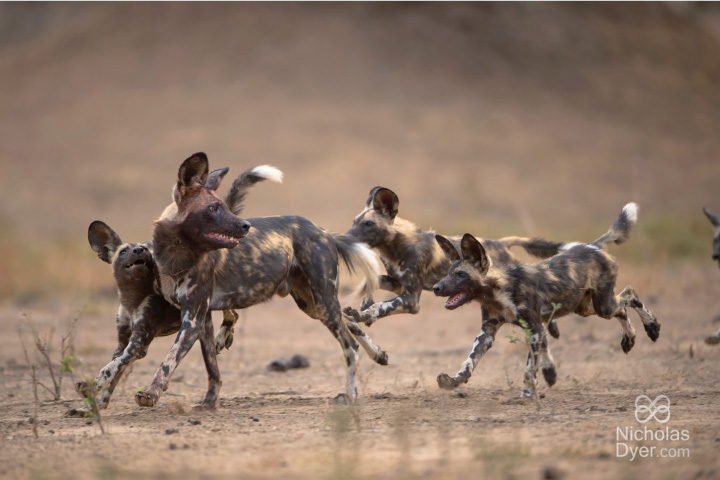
[(207, 344), (404, 303), (194, 309), (482, 344)]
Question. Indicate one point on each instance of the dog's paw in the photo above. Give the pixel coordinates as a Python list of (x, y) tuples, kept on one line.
[(342, 399), (553, 330), (382, 358), (627, 343), (351, 314), (713, 339), (653, 330), (146, 399), (82, 388), (550, 375), (203, 407), (446, 382)]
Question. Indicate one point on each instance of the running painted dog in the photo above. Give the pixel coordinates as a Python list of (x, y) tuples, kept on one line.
[(209, 259), (143, 313), (581, 279), (413, 259), (715, 221)]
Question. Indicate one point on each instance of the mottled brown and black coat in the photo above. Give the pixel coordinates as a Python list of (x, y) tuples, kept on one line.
[(581, 279), (413, 259), (209, 259), (143, 313)]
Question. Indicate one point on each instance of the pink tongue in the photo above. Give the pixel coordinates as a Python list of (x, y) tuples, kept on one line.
[(454, 299)]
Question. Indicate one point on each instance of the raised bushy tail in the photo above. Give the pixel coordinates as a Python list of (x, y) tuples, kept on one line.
[(620, 229), (537, 247), (247, 179), (360, 260)]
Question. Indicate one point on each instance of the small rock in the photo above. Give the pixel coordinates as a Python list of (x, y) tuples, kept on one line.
[(717, 439), (51, 432), (542, 395), (283, 364), (552, 473), (172, 446), (180, 424), (193, 421), (255, 419), (460, 395), (170, 431), (88, 422), (621, 409), (66, 404), (216, 429)]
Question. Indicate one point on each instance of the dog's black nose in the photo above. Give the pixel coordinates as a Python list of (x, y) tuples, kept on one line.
[(716, 256), (245, 225), (137, 250), (436, 289)]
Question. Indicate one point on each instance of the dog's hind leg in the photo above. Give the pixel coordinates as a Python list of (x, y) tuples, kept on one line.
[(607, 305), (482, 344), (207, 345), (225, 334), (652, 327), (376, 353), (628, 339)]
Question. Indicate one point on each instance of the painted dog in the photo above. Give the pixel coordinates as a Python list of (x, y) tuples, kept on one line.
[(209, 259), (715, 221), (581, 279), (413, 259), (143, 313)]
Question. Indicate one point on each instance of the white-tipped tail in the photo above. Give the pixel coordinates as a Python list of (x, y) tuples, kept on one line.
[(631, 211), (367, 262), (268, 173)]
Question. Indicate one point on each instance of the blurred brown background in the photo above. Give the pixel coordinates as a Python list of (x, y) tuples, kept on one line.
[(492, 118)]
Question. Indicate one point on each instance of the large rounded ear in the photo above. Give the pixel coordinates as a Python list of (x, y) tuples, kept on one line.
[(473, 252), (215, 177), (192, 173), (714, 219), (384, 201), (448, 248), (103, 240)]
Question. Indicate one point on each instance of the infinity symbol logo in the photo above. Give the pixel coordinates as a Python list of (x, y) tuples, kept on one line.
[(653, 409)]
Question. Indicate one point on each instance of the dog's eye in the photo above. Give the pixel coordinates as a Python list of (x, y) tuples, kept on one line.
[(213, 208), (123, 251), (369, 223), (461, 274)]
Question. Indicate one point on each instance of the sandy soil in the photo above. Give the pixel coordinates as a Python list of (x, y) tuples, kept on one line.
[(273, 424)]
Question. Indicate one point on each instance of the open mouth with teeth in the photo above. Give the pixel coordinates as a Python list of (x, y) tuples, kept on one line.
[(456, 300), (225, 240), (136, 263)]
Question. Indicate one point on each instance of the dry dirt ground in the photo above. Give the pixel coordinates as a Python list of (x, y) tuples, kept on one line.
[(521, 119), (271, 424)]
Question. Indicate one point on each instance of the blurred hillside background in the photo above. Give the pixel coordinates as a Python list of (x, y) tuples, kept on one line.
[(498, 119)]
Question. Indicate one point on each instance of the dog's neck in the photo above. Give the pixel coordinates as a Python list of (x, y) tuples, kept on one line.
[(175, 255)]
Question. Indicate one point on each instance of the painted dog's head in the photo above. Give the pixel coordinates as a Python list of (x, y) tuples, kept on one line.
[(715, 220), (466, 280), (202, 217), (374, 224), (132, 263)]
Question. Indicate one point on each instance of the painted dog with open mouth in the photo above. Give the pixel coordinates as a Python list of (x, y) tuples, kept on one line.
[(581, 279), (209, 259), (143, 313), (715, 221), (413, 259)]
